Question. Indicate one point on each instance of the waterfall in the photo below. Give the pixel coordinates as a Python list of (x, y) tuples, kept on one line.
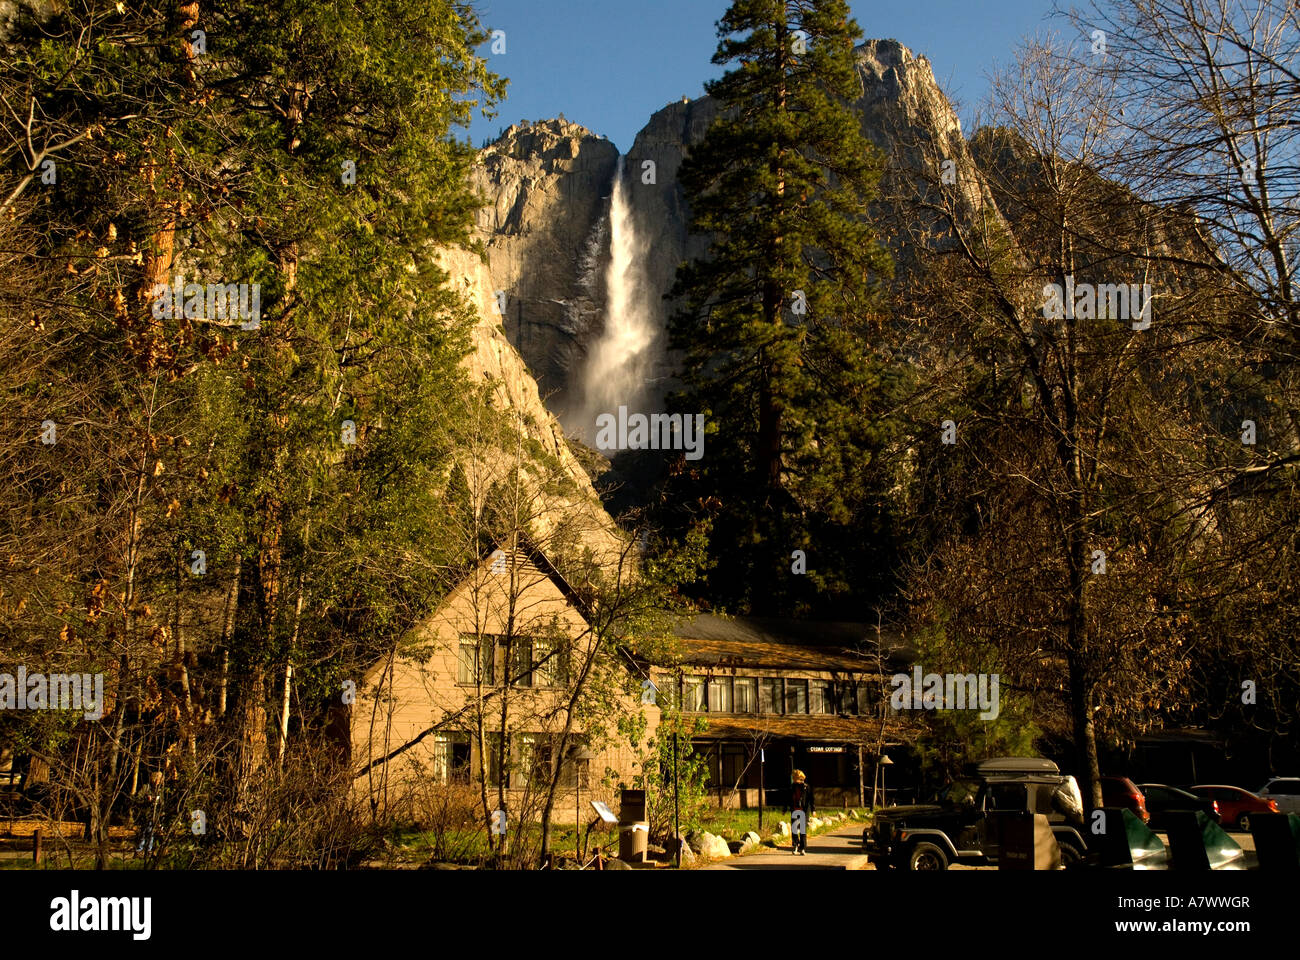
[(621, 361)]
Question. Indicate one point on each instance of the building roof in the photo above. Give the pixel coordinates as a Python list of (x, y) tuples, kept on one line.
[(709, 640), (808, 728)]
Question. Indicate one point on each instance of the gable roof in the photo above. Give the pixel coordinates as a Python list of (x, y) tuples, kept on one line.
[(543, 563), (808, 727), (709, 640)]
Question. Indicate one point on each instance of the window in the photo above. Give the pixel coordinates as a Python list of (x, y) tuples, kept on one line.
[(864, 700), (693, 694), (476, 660), (848, 699), (1040, 794), (543, 664), (1007, 796), (582, 768), (769, 695), (550, 664), (819, 697), (450, 758), (733, 766), (796, 696), (493, 747), (521, 662), (535, 757), (670, 692), (720, 695), (746, 694)]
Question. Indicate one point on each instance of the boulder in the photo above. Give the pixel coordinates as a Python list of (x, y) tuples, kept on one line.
[(613, 863), (783, 828), (713, 847), (753, 838)]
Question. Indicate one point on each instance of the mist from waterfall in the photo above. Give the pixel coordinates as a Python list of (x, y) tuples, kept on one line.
[(620, 362)]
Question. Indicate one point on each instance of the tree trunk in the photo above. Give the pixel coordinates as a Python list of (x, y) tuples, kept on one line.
[(1085, 737), (283, 742), (227, 633), (187, 700)]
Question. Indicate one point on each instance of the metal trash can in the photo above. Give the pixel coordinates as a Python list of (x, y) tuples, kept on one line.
[(1198, 843), (1123, 841), (1277, 840), (633, 841), (1026, 841)]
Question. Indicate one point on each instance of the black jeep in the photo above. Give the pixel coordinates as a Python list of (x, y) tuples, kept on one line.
[(959, 828)]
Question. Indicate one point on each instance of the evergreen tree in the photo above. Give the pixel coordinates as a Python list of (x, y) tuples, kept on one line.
[(776, 319), (295, 146)]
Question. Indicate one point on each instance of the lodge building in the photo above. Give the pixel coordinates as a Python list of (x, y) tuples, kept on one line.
[(780, 695), (430, 714)]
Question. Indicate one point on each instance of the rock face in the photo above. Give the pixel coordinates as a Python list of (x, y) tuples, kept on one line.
[(496, 363), (549, 186), (906, 115)]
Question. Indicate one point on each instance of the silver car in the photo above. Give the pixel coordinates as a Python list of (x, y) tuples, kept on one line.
[(1284, 791)]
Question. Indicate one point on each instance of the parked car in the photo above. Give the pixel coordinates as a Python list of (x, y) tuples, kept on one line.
[(959, 828), (1235, 804), (1123, 792), (1163, 800), (1285, 791)]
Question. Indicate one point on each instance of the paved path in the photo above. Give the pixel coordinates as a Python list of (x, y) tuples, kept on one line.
[(839, 849)]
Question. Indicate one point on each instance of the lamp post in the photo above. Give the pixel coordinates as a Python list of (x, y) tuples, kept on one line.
[(578, 754), (884, 762), (677, 829), (676, 718)]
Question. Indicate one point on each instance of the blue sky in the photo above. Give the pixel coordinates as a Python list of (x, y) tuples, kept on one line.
[(609, 64)]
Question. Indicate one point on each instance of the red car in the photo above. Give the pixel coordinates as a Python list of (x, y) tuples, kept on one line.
[(1123, 792), (1235, 804)]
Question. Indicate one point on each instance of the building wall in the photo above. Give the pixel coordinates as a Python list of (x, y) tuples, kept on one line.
[(400, 700)]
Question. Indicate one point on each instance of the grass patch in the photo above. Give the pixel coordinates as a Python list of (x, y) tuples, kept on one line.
[(412, 845), (734, 824)]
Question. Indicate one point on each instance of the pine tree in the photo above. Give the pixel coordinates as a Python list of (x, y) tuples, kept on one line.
[(308, 150), (776, 319)]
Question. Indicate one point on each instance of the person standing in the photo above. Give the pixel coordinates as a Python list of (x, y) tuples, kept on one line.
[(801, 799)]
